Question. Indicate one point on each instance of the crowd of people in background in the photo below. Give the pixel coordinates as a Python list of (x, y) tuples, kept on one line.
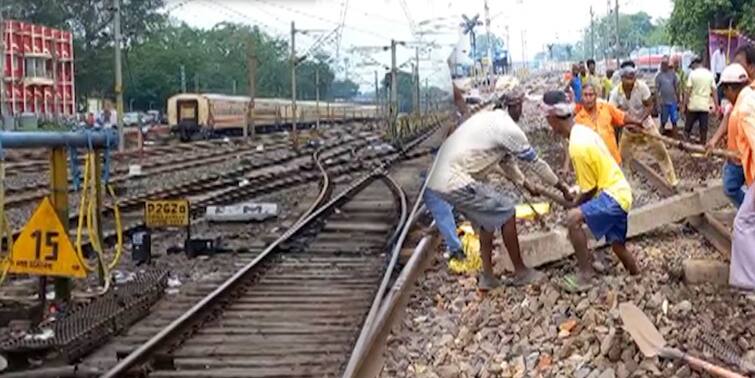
[(106, 118), (604, 119)]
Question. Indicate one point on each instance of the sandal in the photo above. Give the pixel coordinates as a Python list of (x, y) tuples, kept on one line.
[(457, 255), (571, 284)]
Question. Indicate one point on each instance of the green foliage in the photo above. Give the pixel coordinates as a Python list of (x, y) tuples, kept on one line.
[(659, 35), (482, 44), (344, 89), (155, 48), (635, 30), (690, 19), (405, 90)]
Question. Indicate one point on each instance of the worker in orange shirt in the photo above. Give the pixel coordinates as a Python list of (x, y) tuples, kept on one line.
[(733, 175), (735, 85), (602, 117)]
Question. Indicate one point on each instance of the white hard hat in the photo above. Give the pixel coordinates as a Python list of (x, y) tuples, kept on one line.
[(734, 74)]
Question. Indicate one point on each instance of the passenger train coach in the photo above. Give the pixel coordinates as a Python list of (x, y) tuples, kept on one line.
[(192, 115)]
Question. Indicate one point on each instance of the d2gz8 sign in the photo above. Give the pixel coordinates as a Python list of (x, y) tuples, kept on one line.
[(166, 213)]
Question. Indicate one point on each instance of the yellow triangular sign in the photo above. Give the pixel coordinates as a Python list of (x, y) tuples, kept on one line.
[(43, 248)]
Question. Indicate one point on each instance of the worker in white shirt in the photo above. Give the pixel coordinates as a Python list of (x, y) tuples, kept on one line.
[(718, 61), (717, 65), (108, 117)]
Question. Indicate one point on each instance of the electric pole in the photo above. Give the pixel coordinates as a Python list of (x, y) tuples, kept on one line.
[(183, 79), (252, 68), (509, 58), (196, 82), (592, 34), (427, 96), (118, 75), (415, 94), (3, 107), (415, 89), (490, 42), (616, 10), (317, 97), (377, 93), (607, 33), (293, 85), (393, 106), (524, 48)]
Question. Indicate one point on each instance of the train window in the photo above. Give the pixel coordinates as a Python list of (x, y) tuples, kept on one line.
[(188, 111)]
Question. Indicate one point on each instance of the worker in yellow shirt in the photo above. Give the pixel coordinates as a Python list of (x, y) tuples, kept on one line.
[(607, 84), (605, 197), (602, 117), (593, 78)]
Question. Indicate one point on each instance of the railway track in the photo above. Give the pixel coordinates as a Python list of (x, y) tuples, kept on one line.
[(297, 308), (37, 161), (344, 238), (302, 301), (164, 163), (261, 175)]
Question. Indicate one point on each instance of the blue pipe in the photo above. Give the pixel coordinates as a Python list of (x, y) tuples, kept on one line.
[(103, 138)]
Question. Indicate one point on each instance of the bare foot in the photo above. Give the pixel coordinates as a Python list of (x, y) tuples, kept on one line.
[(527, 277), (486, 283)]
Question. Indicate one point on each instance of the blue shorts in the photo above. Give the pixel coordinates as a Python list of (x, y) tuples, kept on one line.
[(669, 112), (605, 217)]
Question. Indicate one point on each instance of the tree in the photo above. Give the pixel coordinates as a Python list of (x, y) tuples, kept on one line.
[(155, 49), (659, 35), (635, 30), (482, 46), (343, 89), (690, 19), (217, 58), (405, 89)]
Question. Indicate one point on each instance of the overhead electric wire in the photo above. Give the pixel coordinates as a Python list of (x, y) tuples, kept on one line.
[(344, 10), (364, 31), (236, 13), (412, 25), (178, 4)]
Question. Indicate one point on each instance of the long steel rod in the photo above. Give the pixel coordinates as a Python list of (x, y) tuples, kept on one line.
[(52, 139)]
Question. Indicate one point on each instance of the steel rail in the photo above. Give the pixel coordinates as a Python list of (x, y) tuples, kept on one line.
[(366, 336), (325, 191)]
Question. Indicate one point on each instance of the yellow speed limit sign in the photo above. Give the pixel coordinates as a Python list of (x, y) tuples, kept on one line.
[(166, 213), (43, 248)]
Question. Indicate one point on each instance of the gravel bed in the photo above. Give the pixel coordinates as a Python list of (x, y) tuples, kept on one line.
[(451, 331)]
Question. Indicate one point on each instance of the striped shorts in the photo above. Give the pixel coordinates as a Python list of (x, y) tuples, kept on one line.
[(484, 205)]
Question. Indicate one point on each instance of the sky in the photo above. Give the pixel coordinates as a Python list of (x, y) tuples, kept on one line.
[(371, 24)]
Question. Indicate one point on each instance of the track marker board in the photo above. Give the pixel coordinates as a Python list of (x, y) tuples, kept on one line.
[(43, 248)]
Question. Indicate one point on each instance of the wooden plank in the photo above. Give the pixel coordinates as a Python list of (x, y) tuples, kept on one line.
[(543, 247), (371, 227), (233, 362), (190, 350), (291, 372), (369, 206)]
